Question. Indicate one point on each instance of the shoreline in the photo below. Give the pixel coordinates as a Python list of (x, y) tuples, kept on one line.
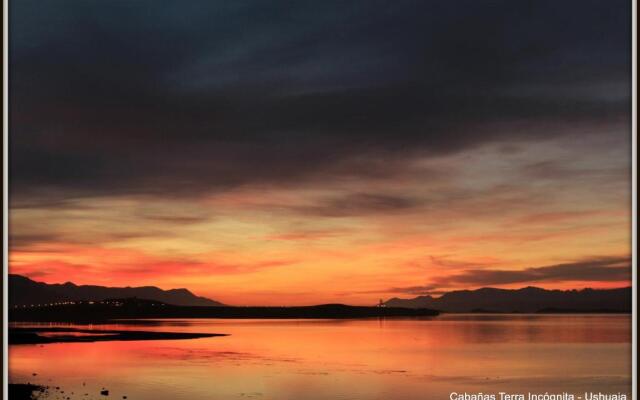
[(104, 312), (20, 336)]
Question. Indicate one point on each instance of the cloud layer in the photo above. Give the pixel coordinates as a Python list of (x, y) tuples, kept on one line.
[(135, 98), (250, 147)]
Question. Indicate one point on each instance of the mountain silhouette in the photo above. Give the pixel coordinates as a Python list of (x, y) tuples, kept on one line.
[(528, 299), (24, 291)]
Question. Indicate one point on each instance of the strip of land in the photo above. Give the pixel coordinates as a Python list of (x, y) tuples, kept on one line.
[(73, 335), (106, 311)]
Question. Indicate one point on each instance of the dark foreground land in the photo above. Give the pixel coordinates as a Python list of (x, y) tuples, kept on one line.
[(99, 312), (25, 391), (68, 335), (28, 391)]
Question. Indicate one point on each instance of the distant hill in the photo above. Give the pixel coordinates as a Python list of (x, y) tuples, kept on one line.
[(100, 312), (24, 291), (528, 299)]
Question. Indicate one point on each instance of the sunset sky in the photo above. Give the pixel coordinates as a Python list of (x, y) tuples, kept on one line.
[(301, 152)]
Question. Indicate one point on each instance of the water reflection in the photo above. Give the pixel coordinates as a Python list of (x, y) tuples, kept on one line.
[(363, 359)]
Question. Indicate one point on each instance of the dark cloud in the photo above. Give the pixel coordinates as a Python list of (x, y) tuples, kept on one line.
[(48, 239), (358, 204), (599, 269), (562, 169), (425, 290), (23, 241), (179, 99), (596, 269)]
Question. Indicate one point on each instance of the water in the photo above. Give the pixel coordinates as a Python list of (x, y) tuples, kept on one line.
[(336, 359)]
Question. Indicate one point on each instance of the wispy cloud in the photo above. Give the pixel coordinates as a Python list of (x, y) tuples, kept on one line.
[(597, 269)]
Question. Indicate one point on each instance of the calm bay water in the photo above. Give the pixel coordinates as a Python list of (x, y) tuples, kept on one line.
[(343, 359)]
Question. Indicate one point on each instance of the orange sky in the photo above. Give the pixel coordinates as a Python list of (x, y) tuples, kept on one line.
[(275, 245)]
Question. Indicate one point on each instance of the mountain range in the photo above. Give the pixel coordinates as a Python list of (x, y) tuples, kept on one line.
[(24, 291), (528, 299)]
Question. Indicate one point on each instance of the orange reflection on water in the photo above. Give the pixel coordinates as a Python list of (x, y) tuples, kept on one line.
[(287, 359)]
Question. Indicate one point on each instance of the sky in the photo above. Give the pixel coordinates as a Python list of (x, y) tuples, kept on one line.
[(304, 152)]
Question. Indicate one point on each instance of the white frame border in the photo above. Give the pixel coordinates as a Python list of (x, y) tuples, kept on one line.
[(5, 200)]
